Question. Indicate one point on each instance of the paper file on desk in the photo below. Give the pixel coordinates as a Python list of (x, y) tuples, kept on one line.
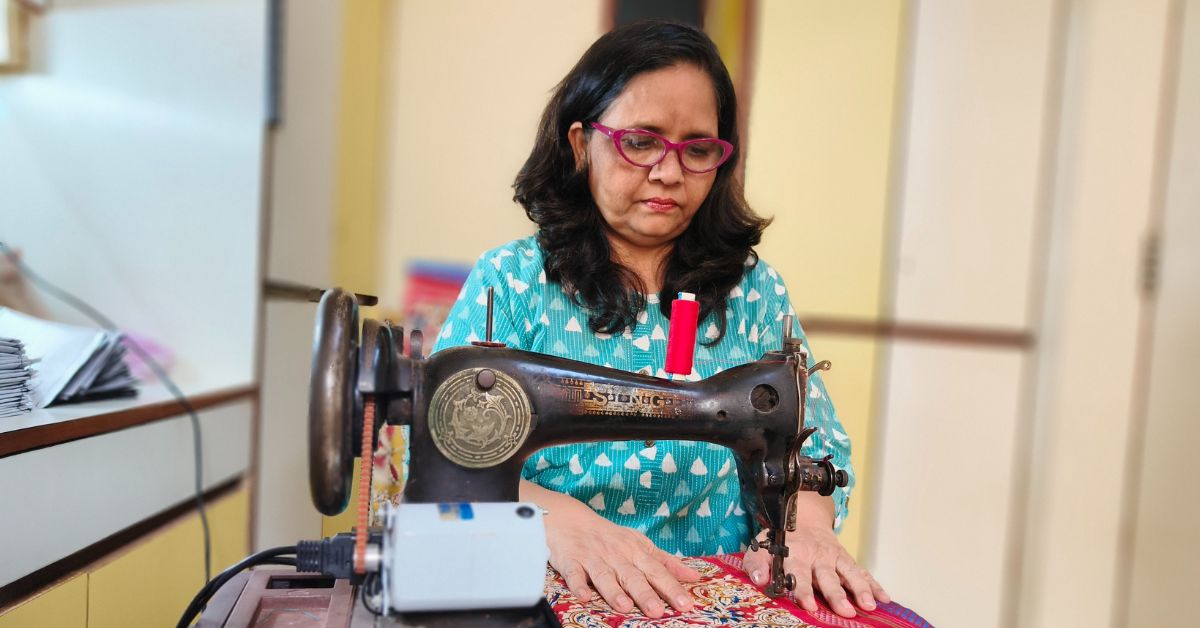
[(16, 373), (69, 362)]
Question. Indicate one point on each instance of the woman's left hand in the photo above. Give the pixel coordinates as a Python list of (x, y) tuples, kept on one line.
[(819, 562)]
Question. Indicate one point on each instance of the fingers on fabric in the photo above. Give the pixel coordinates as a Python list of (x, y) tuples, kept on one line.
[(677, 568), (634, 581), (577, 581), (604, 578), (854, 579), (757, 563), (666, 583), (877, 590), (830, 584), (803, 591)]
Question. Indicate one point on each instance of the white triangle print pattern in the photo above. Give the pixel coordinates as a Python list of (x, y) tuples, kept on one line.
[(482, 298), (779, 289), (646, 478), (642, 317), (603, 461), (633, 463), (753, 296), (542, 277), (666, 534), (573, 325), (736, 292), (698, 467), (682, 512), (658, 334), (517, 285), (597, 502), (693, 536), (541, 463), (662, 511), (574, 465), (650, 452), (724, 470), (668, 463), (642, 343), (683, 490), (704, 510), (627, 507), (617, 483), (712, 332), (754, 333)]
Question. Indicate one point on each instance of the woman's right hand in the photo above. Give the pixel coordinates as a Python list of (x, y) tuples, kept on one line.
[(622, 564)]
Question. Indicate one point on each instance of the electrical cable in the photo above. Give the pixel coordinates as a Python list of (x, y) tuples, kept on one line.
[(370, 587), (100, 319), (273, 556)]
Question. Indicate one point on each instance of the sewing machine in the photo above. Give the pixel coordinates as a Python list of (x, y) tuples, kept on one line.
[(476, 413)]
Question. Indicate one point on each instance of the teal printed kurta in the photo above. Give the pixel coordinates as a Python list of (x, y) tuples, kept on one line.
[(683, 495)]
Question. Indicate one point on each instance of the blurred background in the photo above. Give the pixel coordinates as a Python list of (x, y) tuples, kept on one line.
[(988, 212)]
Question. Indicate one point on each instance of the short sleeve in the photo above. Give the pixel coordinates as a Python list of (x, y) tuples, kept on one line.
[(467, 320), (830, 439)]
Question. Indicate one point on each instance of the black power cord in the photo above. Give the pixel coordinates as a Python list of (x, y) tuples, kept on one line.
[(161, 374), (273, 556)]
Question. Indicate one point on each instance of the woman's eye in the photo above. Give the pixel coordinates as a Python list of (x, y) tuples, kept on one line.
[(639, 142), (700, 150)]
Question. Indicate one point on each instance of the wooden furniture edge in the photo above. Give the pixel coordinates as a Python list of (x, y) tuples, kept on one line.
[(29, 439)]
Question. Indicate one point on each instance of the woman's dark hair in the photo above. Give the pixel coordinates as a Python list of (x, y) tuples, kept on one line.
[(708, 259)]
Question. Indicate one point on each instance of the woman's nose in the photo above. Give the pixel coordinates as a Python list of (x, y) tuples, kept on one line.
[(669, 171)]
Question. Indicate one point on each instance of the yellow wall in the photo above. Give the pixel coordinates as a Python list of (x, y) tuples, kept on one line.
[(62, 606), (146, 584), (356, 196), (150, 584), (822, 126), (464, 85)]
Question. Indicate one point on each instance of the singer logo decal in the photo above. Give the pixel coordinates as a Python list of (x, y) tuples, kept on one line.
[(609, 400)]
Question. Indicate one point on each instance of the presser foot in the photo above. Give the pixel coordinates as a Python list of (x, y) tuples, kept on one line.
[(780, 583)]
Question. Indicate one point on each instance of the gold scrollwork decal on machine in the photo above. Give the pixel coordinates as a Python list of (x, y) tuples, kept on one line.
[(611, 400)]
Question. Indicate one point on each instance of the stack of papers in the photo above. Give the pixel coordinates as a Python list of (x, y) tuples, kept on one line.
[(70, 363), (15, 375)]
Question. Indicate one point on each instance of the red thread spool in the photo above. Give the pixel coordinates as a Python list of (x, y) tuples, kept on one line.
[(681, 341)]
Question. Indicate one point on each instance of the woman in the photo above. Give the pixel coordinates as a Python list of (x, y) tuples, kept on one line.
[(635, 200)]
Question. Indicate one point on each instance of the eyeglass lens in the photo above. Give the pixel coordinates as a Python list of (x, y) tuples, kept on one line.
[(647, 150)]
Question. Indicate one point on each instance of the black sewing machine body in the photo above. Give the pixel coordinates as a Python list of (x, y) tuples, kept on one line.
[(477, 412)]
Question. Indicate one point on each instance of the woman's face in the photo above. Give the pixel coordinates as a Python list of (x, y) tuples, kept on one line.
[(646, 208)]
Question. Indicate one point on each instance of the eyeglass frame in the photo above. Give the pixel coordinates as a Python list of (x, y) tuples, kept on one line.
[(616, 134)]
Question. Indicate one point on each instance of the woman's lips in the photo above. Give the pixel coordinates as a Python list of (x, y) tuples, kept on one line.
[(661, 204)]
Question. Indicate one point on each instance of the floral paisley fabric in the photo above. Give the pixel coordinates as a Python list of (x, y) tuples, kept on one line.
[(723, 597), (683, 495)]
